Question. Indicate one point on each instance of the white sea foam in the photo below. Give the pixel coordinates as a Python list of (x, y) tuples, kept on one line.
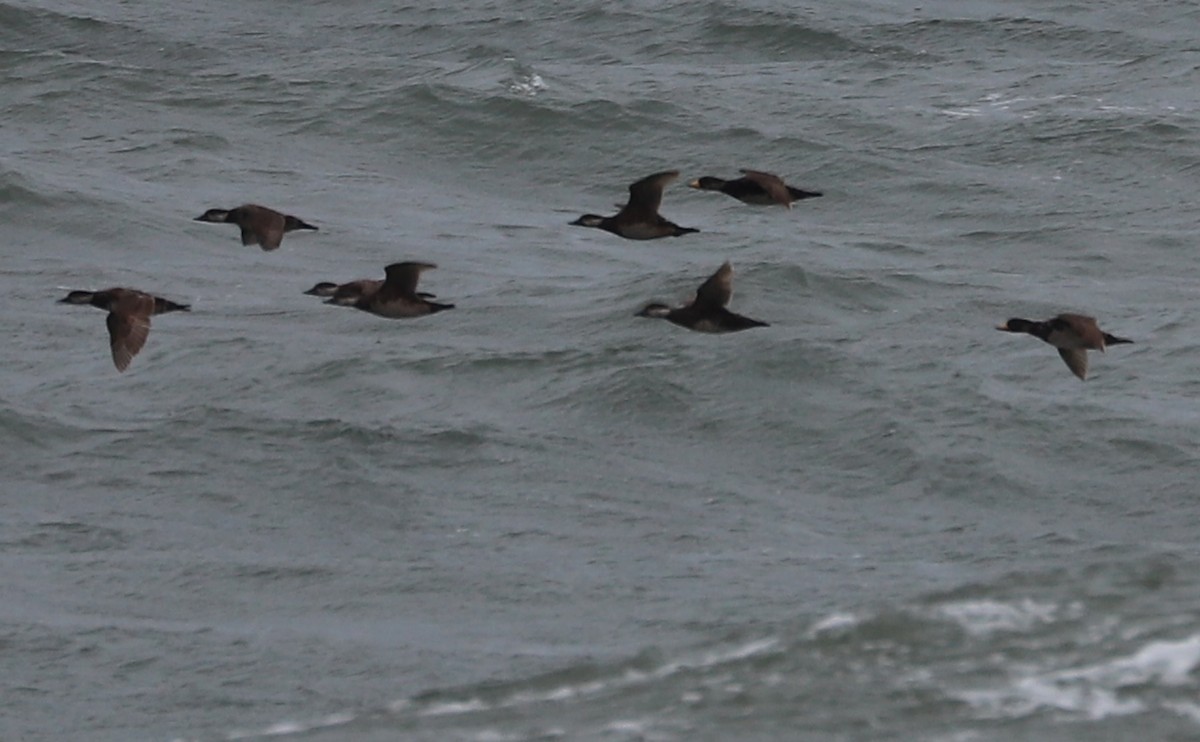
[(455, 707), (524, 80), (833, 622), (531, 697), (530, 84), (284, 728), (1164, 662), (1096, 691), (629, 678), (982, 617), (1184, 708)]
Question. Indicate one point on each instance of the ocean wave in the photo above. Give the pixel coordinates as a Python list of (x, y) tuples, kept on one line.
[(979, 659), (771, 35), (19, 192), (1012, 34)]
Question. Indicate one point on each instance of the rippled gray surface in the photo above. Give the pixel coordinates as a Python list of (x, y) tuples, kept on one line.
[(536, 516)]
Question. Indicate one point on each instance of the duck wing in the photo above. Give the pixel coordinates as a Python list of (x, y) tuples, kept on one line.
[(127, 333), (260, 226), (1076, 360), (268, 238), (718, 289), (402, 278), (645, 196)]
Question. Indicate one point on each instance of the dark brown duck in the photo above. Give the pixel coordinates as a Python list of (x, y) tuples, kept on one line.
[(639, 218), (756, 188), (350, 293), (1073, 334), (396, 297), (129, 313), (260, 226), (707, 312)]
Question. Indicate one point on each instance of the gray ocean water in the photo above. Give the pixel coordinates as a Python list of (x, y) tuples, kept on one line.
[(537, 517)]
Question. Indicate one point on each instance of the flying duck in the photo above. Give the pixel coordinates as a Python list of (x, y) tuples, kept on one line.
[(756, 188), (260, 226), (129, 313), (707, 312), (639, 218), (348, 294), (1073, 334), (395, 297)]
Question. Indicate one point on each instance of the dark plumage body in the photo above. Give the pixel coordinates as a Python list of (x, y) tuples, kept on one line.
[(259, 225), (350, 293), (1073, 334), (639, 218), (756, 188), (129, 313), (707, 312), (395, 297), (346, 294)]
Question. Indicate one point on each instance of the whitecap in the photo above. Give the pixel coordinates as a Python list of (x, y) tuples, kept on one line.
[(1094, 691), (983, 617)]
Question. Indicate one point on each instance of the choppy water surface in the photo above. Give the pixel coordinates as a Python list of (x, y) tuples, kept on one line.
[(537, 516)]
